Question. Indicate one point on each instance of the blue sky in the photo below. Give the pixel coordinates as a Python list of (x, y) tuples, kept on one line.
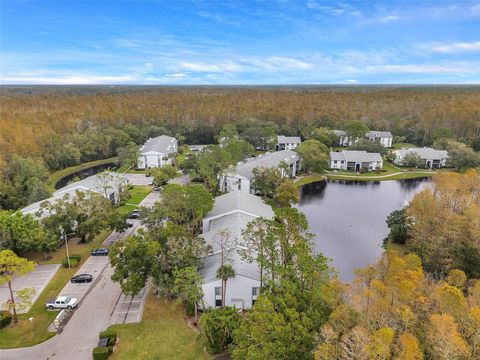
[(239, 42)]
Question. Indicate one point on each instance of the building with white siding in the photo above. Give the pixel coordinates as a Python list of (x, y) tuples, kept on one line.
[(240, 178), (355, 161), (157, 152)]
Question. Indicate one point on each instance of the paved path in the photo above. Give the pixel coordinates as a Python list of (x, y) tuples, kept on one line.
[(36, 280), (80, 335)]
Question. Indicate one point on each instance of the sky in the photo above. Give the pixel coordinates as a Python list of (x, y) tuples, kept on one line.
[(239, 42)]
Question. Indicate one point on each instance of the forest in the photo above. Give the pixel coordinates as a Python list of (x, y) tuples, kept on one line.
[(37, 120)]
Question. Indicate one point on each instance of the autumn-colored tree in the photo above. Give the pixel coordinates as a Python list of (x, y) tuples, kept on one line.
[(11, 266)]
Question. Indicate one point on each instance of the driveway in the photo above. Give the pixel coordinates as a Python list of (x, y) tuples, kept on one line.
[(93, 266), (138, 179), (36, 280), (80, 335), (105, 305)]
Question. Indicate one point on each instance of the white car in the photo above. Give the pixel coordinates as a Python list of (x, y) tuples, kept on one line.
[(62, 302)]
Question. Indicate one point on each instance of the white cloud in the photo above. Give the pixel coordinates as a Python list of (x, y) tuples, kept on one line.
[(352, 81), (176, 75), (450, 48), (68, 80)]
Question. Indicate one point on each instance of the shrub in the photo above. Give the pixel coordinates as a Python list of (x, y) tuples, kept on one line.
[(5, 318), (101, 353), (110, 334), (218, 325), (73, 262)]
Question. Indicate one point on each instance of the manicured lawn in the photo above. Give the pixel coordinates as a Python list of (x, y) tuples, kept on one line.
[(137, 194), (310, 178), (30, 332), (57, 175), (180, 158), (162, 334)]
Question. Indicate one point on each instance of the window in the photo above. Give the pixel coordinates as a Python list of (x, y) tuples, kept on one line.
[(218, 291), (335, 162), (218, 302), (255, 291), (239, 184)]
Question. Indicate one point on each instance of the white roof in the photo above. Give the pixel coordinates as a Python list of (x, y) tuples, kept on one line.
[(355, 156), (425, 153), (273, 159), (161, 144), (289, 139), (239, 201), (242, 268)]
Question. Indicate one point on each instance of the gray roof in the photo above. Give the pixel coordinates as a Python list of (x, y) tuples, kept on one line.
[(240, 201), (88, 184), (232, 223), (379, 134), (162, 144), (355, 156), (288, 139), (373, 133), (211, 264), (425, 153), (273, 159)]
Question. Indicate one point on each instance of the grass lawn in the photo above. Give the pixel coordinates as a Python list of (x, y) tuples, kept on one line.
[(162, 334), (137, 194), (307, 179), (28, 333), (57, 175), (180, 158)]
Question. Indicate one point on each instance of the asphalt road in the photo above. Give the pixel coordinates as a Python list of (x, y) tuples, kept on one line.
[(103, 306), (80, 335)]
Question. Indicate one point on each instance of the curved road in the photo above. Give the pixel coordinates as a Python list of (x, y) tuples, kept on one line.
[(80, 335)]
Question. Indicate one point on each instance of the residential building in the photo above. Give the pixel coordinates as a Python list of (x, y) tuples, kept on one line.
[(355, 161), (385, 138), (433, 159), (287, 142), (157, 152), (240, 178), (224, 225), (108, 187)]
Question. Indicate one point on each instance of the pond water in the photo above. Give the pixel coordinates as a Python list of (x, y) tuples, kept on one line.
[(82, 174), (348, 218)]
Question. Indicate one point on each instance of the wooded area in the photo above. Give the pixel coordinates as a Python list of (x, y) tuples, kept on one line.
[(35, 120)]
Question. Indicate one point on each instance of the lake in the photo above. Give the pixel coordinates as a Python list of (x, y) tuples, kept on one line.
[(82, 174), (348, 218)]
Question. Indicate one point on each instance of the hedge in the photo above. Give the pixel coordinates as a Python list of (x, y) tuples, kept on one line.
[(74, 260), (111, 335), (5, 318), (101, 353)]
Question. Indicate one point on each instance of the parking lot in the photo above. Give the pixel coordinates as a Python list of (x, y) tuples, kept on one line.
[(94, 266), (138, 179), (128, 310), (36, 280)]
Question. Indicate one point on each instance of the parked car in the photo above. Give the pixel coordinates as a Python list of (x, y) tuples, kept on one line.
[(158, 188), (100, 252), (129, 224), (135, 214), (62, 302), (81, 278)]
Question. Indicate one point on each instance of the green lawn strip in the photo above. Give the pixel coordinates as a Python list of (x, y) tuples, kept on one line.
[(308, 179), (401, 176), (58, 175), (29, 333), (162, 334), (137, 194)]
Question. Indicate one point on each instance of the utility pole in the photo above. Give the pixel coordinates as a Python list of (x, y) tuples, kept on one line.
[(66, 247)]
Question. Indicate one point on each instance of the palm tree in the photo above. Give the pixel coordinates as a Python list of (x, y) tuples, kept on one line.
[(225, 272)]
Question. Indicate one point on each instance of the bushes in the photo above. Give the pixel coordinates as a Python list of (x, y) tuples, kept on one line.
[(5, 318), (111, 335), (74, 261), (101, 353), (218, 326)]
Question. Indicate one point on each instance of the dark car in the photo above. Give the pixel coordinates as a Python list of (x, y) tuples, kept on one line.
[(135, 214), (82, 278), (100, 252), (129, 224)]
